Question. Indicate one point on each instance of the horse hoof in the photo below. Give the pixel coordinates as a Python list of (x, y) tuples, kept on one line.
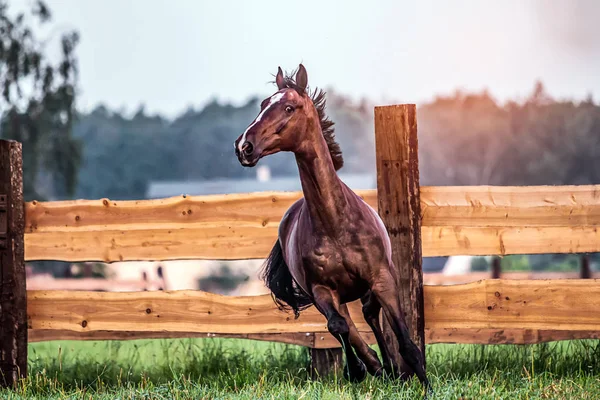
[(358, 372), (427, 394), (392, 372), (380, 373), (428, 389)]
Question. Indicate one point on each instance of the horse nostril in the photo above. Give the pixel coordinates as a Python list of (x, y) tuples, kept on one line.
[(247, 148)]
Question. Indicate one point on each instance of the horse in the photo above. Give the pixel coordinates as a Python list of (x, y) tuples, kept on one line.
[(332, 247)]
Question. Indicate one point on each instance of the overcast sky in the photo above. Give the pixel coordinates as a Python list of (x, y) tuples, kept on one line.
[(170, 54)]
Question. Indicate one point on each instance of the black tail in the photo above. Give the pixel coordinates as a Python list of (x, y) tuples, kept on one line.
[(284, 290)]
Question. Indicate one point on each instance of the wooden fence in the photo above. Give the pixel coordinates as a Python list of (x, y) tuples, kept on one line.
[(422, 221)]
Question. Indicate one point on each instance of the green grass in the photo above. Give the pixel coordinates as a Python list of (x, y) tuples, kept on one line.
[(240, 369)]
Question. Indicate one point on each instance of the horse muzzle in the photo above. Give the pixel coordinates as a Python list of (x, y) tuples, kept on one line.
[(246, 154)]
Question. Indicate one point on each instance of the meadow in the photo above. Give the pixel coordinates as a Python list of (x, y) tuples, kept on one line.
[(243, 369)]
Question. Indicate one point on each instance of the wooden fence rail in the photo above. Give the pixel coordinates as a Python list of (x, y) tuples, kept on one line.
[(322, 341), (479, 220), (490, 311)]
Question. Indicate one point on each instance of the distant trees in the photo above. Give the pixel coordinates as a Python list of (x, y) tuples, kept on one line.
[(469, 139), (37, 102), (123, 154), (465, 139), (558, 142)]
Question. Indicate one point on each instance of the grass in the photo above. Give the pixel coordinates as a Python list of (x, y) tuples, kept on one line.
[(239, 369)]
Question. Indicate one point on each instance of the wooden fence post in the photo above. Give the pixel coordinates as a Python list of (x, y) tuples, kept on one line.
[(325, 361), (586, 272), (13, 294), (400, 208), (496, 268)]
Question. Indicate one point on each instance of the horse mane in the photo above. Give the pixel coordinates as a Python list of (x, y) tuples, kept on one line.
[(318, 99)]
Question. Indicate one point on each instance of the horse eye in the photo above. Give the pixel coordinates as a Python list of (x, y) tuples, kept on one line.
[(289, 109)]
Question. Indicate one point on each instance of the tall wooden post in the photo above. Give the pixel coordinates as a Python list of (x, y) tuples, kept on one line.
[(400, 208), (13, 295)]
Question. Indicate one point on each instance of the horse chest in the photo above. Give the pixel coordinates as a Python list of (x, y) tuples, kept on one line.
[(344, 262), (333, 261)]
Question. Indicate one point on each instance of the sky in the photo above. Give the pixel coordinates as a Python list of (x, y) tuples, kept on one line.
[(173, 54)]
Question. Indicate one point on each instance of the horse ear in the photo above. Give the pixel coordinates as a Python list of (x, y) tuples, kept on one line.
[(302, 78), (279, 79)]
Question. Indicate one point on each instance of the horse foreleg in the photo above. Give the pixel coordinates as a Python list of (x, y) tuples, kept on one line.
[(371, 308), (366, 354), (328, 304)]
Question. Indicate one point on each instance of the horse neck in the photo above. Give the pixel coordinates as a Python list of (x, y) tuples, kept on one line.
[(323, 191)]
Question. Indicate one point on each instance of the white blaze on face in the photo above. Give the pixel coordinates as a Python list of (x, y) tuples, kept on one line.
[(273, 100)]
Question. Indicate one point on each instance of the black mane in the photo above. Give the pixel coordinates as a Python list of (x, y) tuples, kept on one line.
[(318, 99)]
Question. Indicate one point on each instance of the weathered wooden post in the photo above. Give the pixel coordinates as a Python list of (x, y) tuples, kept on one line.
[(400, 208), (586, 272), (496, 268), (325, 361), (13, 294)]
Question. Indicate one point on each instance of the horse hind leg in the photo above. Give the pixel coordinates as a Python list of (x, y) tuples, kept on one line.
[(386, 292), (371, 309), (327, 303), (366, 354)]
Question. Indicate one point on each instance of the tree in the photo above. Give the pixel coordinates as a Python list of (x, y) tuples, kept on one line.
[(37, 102)]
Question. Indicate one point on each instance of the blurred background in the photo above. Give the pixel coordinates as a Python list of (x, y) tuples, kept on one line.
[(138, 100)]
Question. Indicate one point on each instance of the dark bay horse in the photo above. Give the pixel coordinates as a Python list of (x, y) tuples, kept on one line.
[(332, 248)]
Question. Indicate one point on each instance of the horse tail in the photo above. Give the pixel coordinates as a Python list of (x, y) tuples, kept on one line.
[(284, 290)]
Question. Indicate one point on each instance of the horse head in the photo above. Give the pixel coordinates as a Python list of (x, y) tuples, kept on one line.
[(282, 119)]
